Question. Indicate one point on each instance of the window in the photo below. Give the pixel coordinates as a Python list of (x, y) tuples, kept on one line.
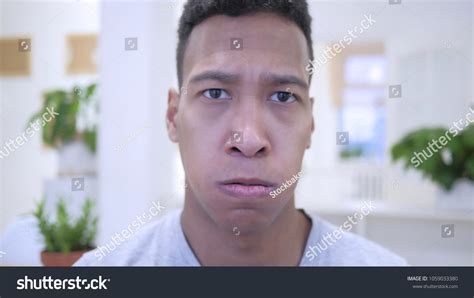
[(359, 93)]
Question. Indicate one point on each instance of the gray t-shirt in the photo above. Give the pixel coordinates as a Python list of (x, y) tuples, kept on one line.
[(162, 243)]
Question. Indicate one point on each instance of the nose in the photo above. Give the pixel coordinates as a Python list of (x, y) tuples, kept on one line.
[(248, 135)]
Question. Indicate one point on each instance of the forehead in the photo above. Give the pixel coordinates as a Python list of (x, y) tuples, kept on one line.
[(267, 42)]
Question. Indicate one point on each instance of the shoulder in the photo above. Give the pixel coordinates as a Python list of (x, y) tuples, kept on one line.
[(329, 245), (144, 246)]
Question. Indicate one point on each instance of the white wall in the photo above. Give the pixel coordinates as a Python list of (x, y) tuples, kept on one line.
[(133, 93), (47, 23)]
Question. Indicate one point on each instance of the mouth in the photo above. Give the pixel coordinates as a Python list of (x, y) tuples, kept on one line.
[(246, 187)]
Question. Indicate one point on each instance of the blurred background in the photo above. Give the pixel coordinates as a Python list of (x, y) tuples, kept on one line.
[(107, 66)]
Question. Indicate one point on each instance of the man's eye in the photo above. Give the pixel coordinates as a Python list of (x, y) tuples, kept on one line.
[(216, 94), (282, 96)]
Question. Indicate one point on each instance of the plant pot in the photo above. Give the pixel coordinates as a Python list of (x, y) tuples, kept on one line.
[(460, 198), (75, 159), (58, 259)]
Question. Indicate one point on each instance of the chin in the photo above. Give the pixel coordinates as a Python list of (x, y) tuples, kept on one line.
[(246, 219), (247, 215)]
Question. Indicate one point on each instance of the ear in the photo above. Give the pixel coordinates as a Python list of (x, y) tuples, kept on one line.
[(171, 115), (312, 123)]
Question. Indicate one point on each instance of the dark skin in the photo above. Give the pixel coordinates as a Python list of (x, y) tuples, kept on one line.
[(263, 92)]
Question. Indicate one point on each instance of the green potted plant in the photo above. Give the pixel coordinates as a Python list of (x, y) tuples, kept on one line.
[(73, 131), (451, 168), (66, 240), (351, 153)]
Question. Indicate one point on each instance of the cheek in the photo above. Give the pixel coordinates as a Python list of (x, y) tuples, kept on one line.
[(290, 140), (291, 131), (198, 142)]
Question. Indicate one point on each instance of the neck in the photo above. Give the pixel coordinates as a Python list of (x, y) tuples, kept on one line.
[(282, 243)]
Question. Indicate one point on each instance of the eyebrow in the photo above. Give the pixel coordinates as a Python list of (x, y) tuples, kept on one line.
[(272, 78), (276, 79), (215, 75)]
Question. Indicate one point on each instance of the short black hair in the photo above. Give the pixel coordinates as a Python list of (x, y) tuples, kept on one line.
[(196, 11)]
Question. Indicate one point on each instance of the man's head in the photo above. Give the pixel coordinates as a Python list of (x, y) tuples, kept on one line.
[(244, 117), (197, 11)]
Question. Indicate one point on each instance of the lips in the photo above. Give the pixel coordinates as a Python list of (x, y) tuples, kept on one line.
[(246, 187)]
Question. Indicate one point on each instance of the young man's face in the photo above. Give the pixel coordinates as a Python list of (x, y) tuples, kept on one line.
[(243, 119)]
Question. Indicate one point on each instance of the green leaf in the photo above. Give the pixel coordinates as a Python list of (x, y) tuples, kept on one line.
[(444, 173), (63, 128), (63, 235)]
